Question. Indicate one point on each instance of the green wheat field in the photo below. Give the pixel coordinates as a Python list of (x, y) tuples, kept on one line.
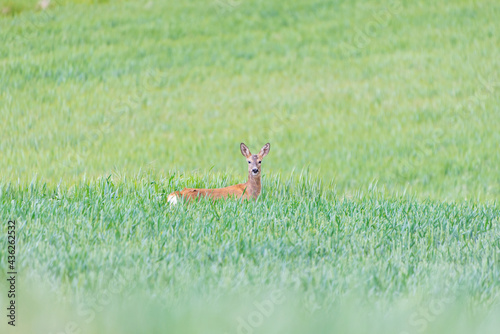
[(379, 211)]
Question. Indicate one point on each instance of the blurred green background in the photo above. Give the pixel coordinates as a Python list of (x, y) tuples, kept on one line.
[(400, 93)]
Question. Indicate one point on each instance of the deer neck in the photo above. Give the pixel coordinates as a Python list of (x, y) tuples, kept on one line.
[(253, 186)]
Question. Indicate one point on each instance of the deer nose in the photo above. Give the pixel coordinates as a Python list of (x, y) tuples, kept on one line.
[(255, 170)]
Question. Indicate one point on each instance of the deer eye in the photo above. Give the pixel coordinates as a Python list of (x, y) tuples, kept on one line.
[(260, 162), (249, 162)]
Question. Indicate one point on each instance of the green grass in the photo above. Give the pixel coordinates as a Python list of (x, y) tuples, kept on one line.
[(323, 252), (379, 210), (86, 89)]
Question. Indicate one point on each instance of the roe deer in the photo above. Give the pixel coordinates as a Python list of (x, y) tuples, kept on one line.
[(248, 190)]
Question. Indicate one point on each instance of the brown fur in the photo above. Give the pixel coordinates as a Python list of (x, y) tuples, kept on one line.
[(249, 190)]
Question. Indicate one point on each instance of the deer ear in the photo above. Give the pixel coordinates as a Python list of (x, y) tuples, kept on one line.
[(245, 151), (265, 150)]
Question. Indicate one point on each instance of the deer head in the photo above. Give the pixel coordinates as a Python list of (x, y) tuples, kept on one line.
[(254, 160)]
